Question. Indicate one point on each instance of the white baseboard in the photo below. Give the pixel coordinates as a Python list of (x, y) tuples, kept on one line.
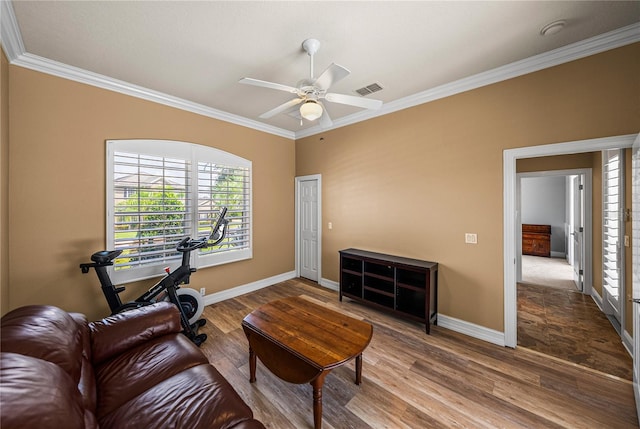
[(471, 329), (597, 299), (457, 325), (627, 342), (330, 284), (249, 287), (627, 339)]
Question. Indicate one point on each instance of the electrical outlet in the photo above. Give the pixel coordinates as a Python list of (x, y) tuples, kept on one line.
[(330, 225), (470, 238), (202, 291), (626, 241)]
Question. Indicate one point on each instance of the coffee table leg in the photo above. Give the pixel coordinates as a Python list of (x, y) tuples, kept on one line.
[(317, 400), (359, 369), (252, 365)]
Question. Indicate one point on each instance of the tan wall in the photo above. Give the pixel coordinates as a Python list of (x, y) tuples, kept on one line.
[(557, 162), (4, 183), (57, 167), (413, 182)]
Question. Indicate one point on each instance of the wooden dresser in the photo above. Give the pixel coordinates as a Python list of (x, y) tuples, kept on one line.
[(536, 240)]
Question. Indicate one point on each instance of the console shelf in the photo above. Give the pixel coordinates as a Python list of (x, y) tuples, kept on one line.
[(404, 286)]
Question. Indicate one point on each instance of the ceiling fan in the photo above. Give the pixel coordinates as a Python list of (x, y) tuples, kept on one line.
[(310, 91)]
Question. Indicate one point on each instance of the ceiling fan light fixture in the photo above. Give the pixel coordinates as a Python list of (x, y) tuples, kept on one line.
[(310, 110)]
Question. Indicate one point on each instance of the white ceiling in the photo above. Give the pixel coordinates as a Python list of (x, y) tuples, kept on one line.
[(195, 52)]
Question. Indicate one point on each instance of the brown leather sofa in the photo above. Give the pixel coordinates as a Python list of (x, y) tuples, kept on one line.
[(130, 370)]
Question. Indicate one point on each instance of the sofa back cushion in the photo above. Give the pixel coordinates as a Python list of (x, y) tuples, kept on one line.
[(35, 393), (123, 331), (44, 332)]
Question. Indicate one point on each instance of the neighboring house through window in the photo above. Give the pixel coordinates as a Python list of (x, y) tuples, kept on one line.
[(160, 191)]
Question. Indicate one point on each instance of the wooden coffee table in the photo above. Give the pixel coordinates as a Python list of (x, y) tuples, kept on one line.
[(301, 342)]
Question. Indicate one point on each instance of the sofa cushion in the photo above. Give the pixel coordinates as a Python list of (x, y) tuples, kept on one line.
[(44, 332), (138, 369), (119, 332), (87, 383), (38, 394), (200, 397)]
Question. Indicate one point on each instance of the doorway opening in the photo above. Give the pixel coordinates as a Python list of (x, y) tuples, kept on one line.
[(510, 220), (555, 317), (554, 228)]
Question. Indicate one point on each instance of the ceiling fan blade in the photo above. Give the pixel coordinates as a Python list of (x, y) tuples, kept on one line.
[(271, 85), (325, 119), (281, 108), (331, 75), (352, 100)]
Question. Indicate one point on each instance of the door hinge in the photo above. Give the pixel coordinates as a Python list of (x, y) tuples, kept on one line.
[(581, 272), (581, 229), (581, 187)]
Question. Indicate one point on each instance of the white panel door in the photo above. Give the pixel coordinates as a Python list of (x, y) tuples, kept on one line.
[(308, 199), (577, 223)]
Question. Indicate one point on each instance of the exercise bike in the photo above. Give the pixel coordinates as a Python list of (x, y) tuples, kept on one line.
[(188, 301)]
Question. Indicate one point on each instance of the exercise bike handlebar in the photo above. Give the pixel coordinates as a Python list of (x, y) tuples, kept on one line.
[(187, 244)]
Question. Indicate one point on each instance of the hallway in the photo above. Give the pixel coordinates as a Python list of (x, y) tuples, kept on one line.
[(557, 320)]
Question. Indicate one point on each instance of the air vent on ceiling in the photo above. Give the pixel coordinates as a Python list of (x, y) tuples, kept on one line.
[(369, 89)]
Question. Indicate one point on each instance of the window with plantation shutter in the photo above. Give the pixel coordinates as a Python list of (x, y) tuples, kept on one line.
[(612, 230), (159, 192)]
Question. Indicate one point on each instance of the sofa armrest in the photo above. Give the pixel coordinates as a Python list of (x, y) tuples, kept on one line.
[(115, 334)]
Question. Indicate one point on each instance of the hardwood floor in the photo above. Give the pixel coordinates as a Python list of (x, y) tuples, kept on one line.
[(567, 324), (414, 380)]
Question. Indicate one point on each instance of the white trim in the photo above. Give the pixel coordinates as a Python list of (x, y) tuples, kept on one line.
[(447, 322), (318, 179), (471, 329), (55, 68), (330, 284), (17, 55), (247, 288), (509, 219), (584, 48), (9, 31), (595, 296), (627, 342)]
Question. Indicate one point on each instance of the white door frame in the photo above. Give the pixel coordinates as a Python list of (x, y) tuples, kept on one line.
[(635, 271), (509, 215), (588, 210), (318, 179)]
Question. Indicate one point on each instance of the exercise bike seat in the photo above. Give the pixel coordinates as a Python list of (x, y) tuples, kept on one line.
[(105, 256)]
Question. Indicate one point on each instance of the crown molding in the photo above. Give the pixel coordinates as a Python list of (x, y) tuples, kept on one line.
[(9, 32), (17, 55), (65, 71), (594, 45), (15, 50)]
